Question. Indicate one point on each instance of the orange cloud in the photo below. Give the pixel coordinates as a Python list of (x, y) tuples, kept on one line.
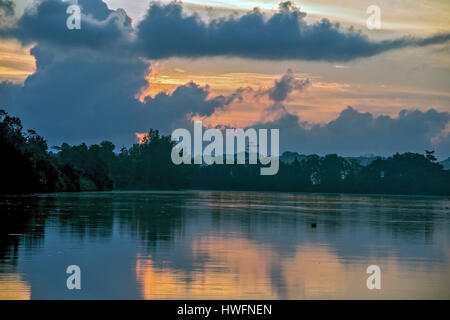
[(262, 105), (16, 63)]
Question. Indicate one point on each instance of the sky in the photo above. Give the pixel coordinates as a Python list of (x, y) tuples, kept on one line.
[(310, 68)]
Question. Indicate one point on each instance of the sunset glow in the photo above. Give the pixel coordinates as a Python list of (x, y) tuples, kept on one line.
[(142, 137)]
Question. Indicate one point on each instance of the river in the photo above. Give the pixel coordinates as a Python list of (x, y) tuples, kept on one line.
[(224, 245)]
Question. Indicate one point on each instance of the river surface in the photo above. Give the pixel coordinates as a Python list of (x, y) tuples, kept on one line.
[(224, 245)]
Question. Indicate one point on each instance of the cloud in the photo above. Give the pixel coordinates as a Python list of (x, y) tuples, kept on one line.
[(357, 133), (97, 9), (86, 81), (175, 110), (76, 97), (247, 105), (45, 23), (167, 31), (85, 85), (7, 8), (287, 85), (84, 96), (351, 133)]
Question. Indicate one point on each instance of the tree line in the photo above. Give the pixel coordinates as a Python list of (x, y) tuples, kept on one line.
[(29, 167), (408, 173)]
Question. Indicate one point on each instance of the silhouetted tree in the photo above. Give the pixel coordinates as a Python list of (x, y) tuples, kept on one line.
[(25, 163), (27, 166)]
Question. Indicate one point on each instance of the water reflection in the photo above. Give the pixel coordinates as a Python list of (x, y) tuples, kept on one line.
[(204, 245)]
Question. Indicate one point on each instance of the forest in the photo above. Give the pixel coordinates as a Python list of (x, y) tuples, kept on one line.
[(29, 167)]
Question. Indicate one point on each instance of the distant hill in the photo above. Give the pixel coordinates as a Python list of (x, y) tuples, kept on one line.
[(446, 163), (288, 157), (364, 160)]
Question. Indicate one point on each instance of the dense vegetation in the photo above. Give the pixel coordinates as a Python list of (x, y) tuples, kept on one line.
[(28, 166), (408, 173)]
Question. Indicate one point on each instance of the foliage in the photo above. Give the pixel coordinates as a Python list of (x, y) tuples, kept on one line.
[(28, 167), (408, 173)]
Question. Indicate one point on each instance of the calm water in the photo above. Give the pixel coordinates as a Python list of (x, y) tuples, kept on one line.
[(206, 245)]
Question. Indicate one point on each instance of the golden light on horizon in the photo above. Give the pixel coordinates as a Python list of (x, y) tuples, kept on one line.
[(162, 77), (321, 102)]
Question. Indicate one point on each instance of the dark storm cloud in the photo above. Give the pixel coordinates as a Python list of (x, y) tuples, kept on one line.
[(356, 133), (87, 97), (286, 85), (171, 111), (184, 96), (98, 9), (86, 81), (166, 32), (46, 24), (80, 97)]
